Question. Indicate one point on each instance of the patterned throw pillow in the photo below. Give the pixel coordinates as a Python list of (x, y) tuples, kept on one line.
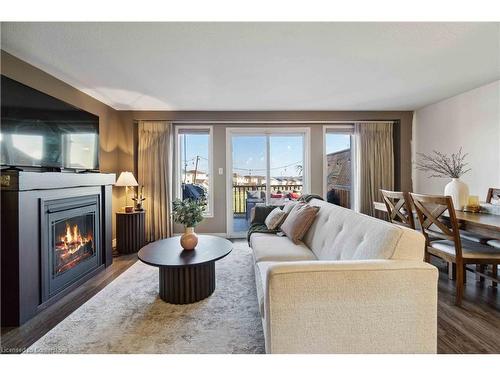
[(288, 207), (275, 218), (298, 221)]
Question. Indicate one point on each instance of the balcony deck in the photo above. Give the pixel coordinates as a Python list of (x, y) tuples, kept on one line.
[(240, 224)]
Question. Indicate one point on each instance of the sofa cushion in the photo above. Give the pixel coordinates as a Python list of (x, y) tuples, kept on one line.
[(342, 234), (275, 218), (270, 247), (298, 221)]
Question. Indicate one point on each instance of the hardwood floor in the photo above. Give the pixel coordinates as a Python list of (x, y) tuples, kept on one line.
[(472, 328), (16, 339), (475, 326)]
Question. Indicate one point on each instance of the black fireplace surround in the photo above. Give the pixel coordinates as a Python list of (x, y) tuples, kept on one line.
[(56, 234)]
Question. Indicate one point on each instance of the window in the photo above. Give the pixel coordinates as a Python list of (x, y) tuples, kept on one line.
[(194, 164), (339, 176)]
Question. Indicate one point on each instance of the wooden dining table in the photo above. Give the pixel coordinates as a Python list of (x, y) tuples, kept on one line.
[(481, 223)]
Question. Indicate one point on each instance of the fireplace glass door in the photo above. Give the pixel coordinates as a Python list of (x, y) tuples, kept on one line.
[(72, 247), (73, 242)]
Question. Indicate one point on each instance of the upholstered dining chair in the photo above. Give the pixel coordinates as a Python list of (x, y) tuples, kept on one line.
[(451, 247), (493, 193), (399, 208)]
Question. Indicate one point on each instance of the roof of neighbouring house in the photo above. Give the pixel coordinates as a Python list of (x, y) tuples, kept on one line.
[(339, 168)]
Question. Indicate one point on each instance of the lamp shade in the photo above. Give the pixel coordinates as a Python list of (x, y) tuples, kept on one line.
[(126, 179)]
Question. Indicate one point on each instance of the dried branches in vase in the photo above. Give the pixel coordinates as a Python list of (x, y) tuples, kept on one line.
[(442, 165), (454, 166)]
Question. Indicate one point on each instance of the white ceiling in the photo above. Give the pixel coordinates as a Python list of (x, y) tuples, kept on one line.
[(262, 66)]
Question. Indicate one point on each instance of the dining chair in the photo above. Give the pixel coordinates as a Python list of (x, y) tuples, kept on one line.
[(399, 208), (493, 193), (451, 247)]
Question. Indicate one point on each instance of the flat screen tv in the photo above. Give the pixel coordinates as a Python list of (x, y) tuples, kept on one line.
[(38, 130)]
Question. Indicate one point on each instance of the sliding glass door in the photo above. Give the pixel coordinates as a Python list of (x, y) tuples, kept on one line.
[(266, 167)]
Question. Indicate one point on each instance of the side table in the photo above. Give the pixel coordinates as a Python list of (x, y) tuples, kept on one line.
[(130, 231)]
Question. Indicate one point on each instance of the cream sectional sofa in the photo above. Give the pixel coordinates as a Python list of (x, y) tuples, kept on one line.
[(355, 285)]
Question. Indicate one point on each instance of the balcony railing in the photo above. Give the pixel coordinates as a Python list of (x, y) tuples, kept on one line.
[(240, 194), (341, 196)]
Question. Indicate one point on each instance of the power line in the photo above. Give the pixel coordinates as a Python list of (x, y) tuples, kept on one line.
[(265, 169), (248, 169)]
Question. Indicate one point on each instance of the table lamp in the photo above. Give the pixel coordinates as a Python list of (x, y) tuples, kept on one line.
[(127, 179)]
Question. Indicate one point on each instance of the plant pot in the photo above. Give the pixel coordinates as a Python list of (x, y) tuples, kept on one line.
[(189, 239), (459, 192)]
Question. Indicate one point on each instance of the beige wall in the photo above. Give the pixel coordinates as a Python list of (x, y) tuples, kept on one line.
[(217, 224), (470, 120), (27, 74)]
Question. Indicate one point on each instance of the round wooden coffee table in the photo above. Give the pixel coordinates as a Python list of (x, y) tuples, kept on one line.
[(186, 276)]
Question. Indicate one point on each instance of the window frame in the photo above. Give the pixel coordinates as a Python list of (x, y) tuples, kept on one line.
[(305, 132), (184, 129)]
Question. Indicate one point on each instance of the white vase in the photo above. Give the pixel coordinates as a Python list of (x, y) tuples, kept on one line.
[(459, 192)]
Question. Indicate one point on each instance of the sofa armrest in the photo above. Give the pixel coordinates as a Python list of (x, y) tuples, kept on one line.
[(369, 306)]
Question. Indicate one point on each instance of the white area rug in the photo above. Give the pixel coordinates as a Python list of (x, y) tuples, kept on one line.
[(128, 316)]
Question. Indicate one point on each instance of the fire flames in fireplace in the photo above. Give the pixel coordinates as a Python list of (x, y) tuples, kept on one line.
[(72, 248)]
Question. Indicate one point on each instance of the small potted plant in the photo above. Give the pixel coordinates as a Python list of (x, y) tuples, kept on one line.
[(188, 212)]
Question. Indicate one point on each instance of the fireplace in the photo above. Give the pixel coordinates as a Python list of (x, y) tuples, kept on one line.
[(70, 242), (56, 235)]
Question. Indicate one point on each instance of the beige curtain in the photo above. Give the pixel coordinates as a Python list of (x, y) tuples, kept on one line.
[(155, 173), (375, 159)]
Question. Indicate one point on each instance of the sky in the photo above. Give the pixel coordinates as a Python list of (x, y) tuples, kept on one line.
[(196, 144), (336, 142), (286, 152)]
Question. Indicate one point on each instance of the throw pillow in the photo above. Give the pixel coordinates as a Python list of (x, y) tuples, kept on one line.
[(259, 214), (275, 218), (298, 221), (288, 207)]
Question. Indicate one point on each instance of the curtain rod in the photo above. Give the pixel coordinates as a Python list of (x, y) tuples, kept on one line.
[(350, 122)]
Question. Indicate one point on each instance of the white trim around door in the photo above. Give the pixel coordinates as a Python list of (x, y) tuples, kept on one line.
[(306, 173)]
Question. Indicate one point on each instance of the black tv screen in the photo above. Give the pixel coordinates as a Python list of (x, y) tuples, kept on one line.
[(38, 130)]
